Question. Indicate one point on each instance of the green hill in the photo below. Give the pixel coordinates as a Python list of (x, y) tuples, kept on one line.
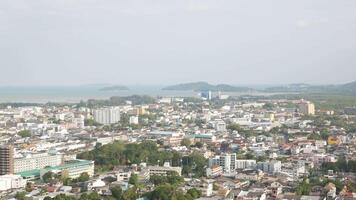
[(204, 86)]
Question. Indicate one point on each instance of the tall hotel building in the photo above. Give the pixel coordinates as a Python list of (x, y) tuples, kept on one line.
[(6, 159), (107, 115), (307, 108)]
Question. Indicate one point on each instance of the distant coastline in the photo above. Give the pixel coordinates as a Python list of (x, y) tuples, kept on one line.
[(74, 94), (114, 88)]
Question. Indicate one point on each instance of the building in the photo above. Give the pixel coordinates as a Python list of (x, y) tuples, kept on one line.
[(205, 138), (228, 162), (214, 171), (107, 115), (37, 161), (72, 168), (173, 141), (123, 176), (205, 186), (79, 121), (245, 164), (307, 108), (333, 140), (163, 170), (272, 167), (6, 159), (9, 182), (140, 110), (220, 126), (206, 95), (134, 120), (350, 110)]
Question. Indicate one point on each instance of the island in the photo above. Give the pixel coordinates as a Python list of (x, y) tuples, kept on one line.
[(204, 86)]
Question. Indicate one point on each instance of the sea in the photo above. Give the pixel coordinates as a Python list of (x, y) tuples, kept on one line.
[(74, 94)]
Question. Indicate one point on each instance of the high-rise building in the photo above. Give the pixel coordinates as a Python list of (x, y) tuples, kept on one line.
[(307, 108), (6, 159), (228, 162), (139, 110), (206, 95), (107, 115)]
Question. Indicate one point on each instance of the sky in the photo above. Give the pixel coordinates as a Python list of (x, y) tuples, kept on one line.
[(162, 42)]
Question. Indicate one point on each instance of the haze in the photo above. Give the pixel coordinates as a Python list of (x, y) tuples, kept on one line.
[(74, 42)]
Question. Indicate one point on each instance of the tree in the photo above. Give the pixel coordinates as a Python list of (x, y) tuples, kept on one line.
[(199, 144), (84, 196), (324, 134), (24, 133), (133, 180), (109, 198), (303, 188), (185, 142), (194, 163), (169, 192), (83, 177), (249, 156), (48, 177), (234, 127), (172, 178), (215, 187), (195, 193), (67, 181), (268, 106), (162, 192), (116, 192), (20, 195), (91, 122), (63, 197), (94, 196), (130, 194), (28, 187)]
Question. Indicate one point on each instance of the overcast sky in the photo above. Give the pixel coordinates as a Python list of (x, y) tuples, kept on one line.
[(74, 42)]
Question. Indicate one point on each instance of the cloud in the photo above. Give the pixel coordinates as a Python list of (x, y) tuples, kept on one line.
[(301, 23), (196, 6)]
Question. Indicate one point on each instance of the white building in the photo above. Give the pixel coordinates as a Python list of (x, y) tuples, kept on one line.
[(123, 176), (245, 164), (107, 115), (163, 170), (273, 166), (73, 168), (226, 161), (37, 161), (9, 182), (220, 126), (79, 121), (134, 120)]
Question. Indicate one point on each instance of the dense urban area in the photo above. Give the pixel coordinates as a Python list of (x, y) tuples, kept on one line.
[(213, 146)]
